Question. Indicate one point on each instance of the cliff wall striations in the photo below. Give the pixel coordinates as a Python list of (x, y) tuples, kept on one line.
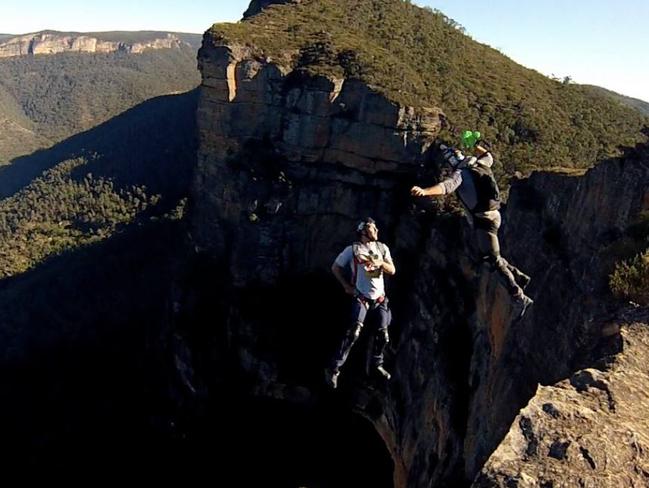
[(287, 163), (55, 43)]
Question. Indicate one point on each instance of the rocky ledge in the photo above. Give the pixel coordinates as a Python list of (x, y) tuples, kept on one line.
[(589, 430)]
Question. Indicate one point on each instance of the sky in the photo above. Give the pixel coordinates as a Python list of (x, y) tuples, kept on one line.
[(599, 42)]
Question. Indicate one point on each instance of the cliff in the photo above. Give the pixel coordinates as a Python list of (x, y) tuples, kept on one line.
[(58, 42), (288, 161), (419, 57), (197, 346), (587, 430)]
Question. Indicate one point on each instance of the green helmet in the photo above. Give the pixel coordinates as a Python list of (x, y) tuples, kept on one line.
[(470, 138)]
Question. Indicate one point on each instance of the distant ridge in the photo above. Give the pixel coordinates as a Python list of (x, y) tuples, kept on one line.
[(636, 103), (55, 42), (193, 39), (46, 99)]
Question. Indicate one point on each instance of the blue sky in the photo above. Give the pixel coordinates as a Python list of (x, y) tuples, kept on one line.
[(602, 42)]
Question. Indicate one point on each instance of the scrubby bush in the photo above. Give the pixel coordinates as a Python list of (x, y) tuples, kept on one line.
[(58, 212), (630, 279)]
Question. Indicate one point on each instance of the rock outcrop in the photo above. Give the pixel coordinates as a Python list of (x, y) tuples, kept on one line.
[(55, 43), (257, 6), (287, 163), (589, 430), (560, 229)]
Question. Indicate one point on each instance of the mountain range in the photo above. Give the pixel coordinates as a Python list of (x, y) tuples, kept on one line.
[(46, 98), (636, 103)]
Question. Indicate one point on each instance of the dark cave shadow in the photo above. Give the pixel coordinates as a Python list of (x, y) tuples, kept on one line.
[(139, 146), (76, 370)]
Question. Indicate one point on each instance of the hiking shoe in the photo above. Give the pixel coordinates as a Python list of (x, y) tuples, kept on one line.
[(331, 378), (383, 372), (522, 303)]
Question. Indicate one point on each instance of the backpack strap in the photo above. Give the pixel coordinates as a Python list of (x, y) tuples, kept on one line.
[(382, 250), (354, 262)]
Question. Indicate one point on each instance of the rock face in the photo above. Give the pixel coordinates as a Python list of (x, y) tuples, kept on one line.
[(589, 430), (560, 229), (276, 128), (287, 164), (54, 43)]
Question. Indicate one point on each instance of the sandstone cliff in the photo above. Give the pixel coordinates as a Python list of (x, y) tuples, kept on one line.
[(55, 43), (589, 430), (287, 163)]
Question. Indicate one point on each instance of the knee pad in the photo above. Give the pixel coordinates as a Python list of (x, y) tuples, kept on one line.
[(382, 336), (357, 330), (386, 336)]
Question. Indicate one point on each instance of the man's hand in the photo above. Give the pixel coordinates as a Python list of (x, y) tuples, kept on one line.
[(384, 266), (417, 191)]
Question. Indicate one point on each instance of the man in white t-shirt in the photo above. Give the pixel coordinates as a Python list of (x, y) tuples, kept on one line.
[(366, 261)]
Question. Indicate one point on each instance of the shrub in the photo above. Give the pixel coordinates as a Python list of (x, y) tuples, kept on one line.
[(630, 279)]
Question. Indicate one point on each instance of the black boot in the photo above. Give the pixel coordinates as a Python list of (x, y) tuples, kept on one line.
[(521, 304), (331, 378), (383, 372)]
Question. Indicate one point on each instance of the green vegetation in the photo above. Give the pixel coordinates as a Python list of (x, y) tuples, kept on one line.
[(60, 95), (17, 134), (630, 278), (420, 57), (640, 105), (56, 213), (89, 231), (133, 169)]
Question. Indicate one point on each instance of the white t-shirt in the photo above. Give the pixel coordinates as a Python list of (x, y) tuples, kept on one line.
[(369, 282)]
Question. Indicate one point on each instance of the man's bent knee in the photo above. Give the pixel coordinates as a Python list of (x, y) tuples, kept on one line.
[(358, 326)]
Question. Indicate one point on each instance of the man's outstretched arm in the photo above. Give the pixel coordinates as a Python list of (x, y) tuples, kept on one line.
[(431, 191), (447, 186)]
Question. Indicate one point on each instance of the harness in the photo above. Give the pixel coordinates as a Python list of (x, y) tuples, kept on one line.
[(356, 261), (369, 303)]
